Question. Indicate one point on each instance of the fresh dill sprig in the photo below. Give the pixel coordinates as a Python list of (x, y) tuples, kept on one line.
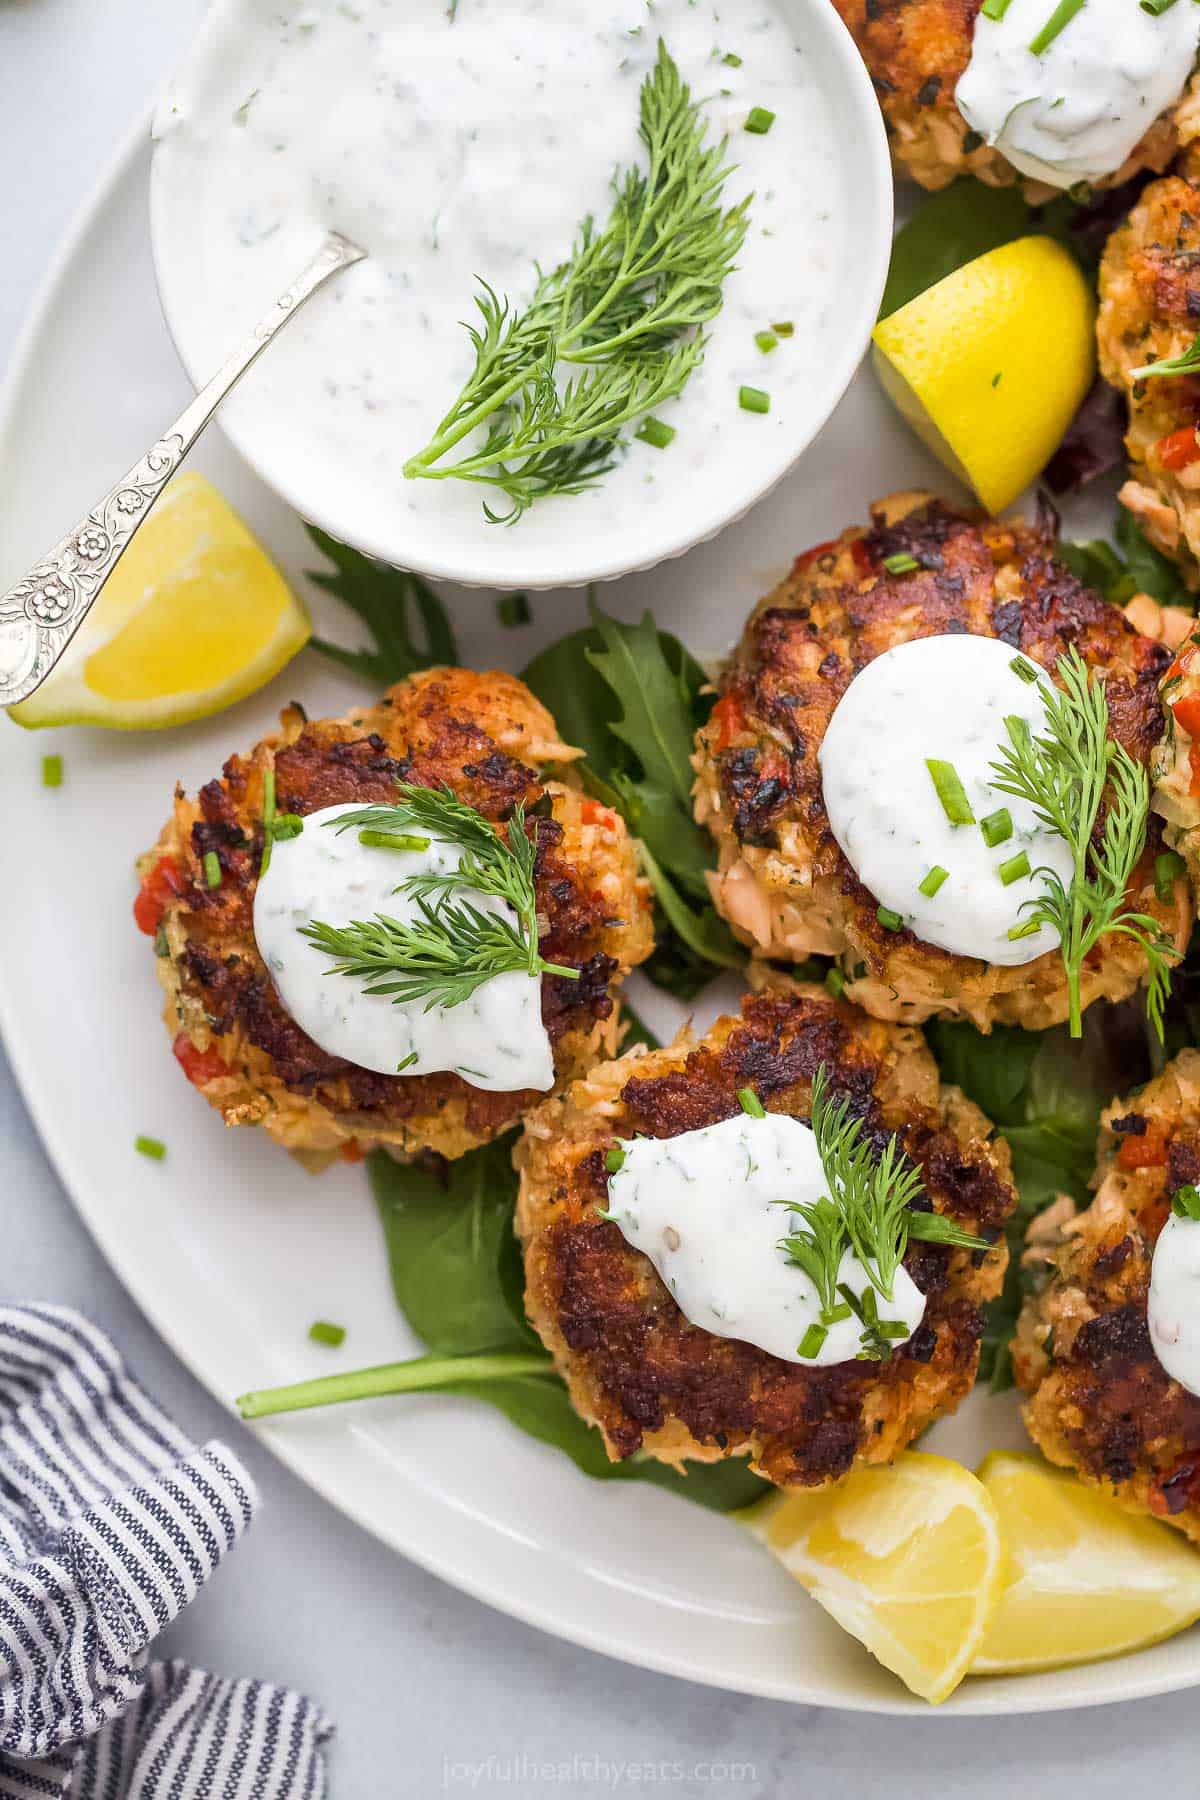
[(1067, 775), (1186, 364), (627, 309), (868, 1211), (452, 946)]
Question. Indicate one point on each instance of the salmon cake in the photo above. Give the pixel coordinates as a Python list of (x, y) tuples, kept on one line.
[(1150, 312), (655, 1383), (488, 743), (919, 570), (915, 52), (1100, 1401)]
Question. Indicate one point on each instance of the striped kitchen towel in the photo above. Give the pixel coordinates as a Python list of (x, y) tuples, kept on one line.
[(110, 1522)]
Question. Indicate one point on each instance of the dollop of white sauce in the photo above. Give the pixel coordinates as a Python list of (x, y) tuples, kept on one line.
[(465, 143), (1173, 1309), (1077, 111), (705, 1208), (944, 698), (495, 1040)]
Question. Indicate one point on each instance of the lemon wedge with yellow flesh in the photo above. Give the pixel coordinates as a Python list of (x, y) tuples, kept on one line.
[(194, 616), (1086, 1579), (990, 364), (907, 1558)]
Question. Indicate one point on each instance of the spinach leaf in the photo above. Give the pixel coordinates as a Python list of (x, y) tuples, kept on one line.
[(1045, 1094), (457, 1276), (383, 599), (704, 934), (949, 229), (655, 719), (454, 1261)]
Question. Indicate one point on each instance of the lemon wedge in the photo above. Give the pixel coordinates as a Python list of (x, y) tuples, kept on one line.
[(989, 365), (194, 616), (1086, 1579), (908, 1559)]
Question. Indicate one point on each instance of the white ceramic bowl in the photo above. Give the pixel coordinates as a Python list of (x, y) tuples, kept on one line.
[(605, 540)]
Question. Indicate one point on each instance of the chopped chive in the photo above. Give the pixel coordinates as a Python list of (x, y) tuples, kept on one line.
[(759, 121), (835, 981), (901, 563), (615, 1159), (154, 1148), (212, 868), (1028, 929), (161, 946), (997, 828), (783, 328), (933, 881), (1059, 19), (836, 1314), (810, 1344), (1156, 8), (1024, 669), (750, 1103), (1167, 869), (285, 826), (1185, 1202), (891, 921), (513, 609), (995, 9), (950, 791), (268, 818), (766, 341), (1015, 869), (752, 399), (655, 433), (732, 60), (322, 1332), (412, 1057), (393, 840), (52, 771)]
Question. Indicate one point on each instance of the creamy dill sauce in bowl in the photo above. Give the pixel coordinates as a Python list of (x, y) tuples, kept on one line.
[(468, 148), (495, 1039), (1071, 104), (960, 886)]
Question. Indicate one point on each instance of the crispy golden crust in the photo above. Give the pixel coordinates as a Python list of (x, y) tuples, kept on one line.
[(915, 52), (486, 737), (635, 1366), (782, 882), (1150, 309), (1101, 1403)]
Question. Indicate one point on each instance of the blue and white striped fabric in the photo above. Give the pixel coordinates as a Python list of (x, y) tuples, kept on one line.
[(110, 1522)]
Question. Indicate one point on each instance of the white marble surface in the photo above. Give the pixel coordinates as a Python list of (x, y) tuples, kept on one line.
[(432, 1692)]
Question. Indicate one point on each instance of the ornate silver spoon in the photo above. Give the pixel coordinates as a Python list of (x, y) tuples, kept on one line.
[(41, 614)]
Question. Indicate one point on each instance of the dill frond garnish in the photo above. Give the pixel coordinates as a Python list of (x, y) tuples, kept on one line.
[(868, 1210), (452, 946), (626, 311), (1068, 775)]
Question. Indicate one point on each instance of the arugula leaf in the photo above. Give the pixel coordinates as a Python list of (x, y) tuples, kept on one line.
[(1044, 1091), (655, 720), (454, 1260), (632, 698), (384, 599), (705, 935), (1139, 569)]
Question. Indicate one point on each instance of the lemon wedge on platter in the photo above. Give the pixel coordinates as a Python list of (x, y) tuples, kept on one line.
[(990, 364), (194, 617), (1086, 1579), (908, 1558)]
